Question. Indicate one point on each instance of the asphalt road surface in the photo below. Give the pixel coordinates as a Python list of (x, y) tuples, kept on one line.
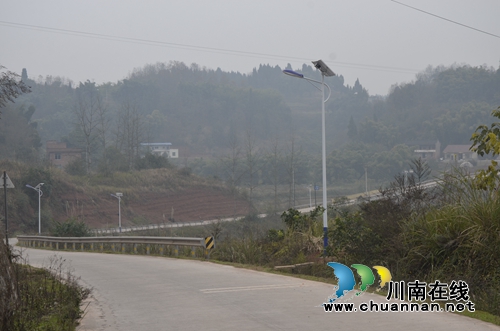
[(157, 293)]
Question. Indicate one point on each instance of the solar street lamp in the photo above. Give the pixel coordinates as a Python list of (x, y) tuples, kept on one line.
[(325, 71), (119, 197), (38, 188)]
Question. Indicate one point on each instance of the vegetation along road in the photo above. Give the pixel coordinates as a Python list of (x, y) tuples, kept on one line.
[(157, 293)]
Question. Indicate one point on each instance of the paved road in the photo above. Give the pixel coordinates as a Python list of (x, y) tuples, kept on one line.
[(157, 293)]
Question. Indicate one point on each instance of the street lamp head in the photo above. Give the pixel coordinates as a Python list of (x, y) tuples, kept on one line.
[(292, 73), (321, 66), (119, 194)]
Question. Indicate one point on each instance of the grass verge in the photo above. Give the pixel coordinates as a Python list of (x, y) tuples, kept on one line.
[(50, 297)]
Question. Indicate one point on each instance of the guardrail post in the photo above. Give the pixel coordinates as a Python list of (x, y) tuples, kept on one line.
[(102, 247), (122, 247), (57, 246), (113, 247), (83, 244), (65, 245), (176, 250), (161, 249), (91, 246), (147, 249), (135, 248), (193, 251), (74, 246)]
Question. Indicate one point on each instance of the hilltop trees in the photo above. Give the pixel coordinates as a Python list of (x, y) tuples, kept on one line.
[(10, 86)]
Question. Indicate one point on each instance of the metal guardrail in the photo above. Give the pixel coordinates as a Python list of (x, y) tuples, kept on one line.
[(162, 226), (180, 241), (87, 243)]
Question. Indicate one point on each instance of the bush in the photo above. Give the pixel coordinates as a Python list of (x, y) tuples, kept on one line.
[(71, 228), (459, 241), (152, 161)]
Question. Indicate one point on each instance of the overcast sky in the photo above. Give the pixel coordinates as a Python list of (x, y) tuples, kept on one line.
[(378, 41)]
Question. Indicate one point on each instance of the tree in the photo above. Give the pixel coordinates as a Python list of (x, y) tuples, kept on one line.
[(86, 111), (274, 158), (18, 135), (129, 132), (232, 166), (420, 169), (291, 167), (251, 160), (10, 87), (103, 124), (487, 141)]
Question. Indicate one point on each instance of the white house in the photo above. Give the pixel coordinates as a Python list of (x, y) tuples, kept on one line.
[(162, 149)]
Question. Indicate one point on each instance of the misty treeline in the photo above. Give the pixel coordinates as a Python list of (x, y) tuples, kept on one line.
[(251, 129)]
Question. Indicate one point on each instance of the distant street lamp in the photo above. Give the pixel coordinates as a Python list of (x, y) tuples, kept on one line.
[(325, 71), (119, 197), (38, 188), (310, 201)]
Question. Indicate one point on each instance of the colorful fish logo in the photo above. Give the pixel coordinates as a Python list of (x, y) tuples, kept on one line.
[(347, 282)]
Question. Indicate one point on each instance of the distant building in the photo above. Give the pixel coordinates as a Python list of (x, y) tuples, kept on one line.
[(425, 149), (162, 149), (60, 155), (459, 152)]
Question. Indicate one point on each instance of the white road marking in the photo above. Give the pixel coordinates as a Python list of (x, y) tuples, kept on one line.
[(250, 288)]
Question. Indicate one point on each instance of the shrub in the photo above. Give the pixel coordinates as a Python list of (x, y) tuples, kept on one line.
[(71, 228)]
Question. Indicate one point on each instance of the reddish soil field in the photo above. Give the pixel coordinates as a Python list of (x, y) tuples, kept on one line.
[(152, 208)]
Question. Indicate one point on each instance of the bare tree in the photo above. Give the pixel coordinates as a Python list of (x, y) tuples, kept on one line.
[(420, 169), (86, 111), (274, 156), (231, 163), (232, 166), (103, 126), (291, 161), (251, 160), (129, 132)]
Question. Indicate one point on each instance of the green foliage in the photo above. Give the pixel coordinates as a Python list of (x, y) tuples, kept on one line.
[(459, 241), (300, 222), (71, 228), (152, 161), (50, 298), (19, 138), (11, 86), (487, 141)]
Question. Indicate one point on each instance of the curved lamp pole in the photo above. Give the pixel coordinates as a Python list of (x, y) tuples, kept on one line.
[(38, 188), (119, 197), (325, 71)]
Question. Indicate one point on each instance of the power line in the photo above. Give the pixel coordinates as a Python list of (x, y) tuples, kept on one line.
[(198, 48), (446, 19)]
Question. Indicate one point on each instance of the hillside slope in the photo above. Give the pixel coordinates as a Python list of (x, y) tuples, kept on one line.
[(149, 197)]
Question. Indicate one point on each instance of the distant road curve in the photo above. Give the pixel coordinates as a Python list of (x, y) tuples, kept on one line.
[(372, 197)]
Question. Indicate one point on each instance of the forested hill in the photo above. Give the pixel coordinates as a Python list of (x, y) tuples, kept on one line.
[(443, 103), (203, 112)]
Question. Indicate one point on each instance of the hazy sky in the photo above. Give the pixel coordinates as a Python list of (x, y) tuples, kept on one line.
[(378, 41)]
